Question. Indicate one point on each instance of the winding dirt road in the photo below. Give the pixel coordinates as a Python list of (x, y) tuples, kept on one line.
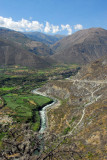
[(87, 81)]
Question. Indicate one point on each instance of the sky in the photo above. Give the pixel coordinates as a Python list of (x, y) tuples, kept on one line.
[(53, 16)]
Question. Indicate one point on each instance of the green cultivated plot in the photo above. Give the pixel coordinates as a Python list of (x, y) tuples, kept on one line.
[(7, 88), (26, 107)]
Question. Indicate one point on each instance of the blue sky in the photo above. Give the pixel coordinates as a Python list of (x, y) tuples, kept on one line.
[(53, 16)]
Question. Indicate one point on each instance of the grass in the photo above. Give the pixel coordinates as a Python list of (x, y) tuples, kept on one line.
[(26, 107), (36, 126), (7, 88), (2, 134), (0, 101), (23, 104), (90, 155)]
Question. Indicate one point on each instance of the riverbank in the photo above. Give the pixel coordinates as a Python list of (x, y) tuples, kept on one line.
[(43, 113)]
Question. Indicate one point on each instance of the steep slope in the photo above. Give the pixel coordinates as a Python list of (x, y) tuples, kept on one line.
[(81, 116), (82, 47), (12, 54), (44, 38), (39, 48), (22, 40), (94, 71)]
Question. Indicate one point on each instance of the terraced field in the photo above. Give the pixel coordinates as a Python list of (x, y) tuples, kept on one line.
[(26, 107)]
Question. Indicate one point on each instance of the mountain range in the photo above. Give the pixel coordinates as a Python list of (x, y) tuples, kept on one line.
[(34, 49), (17, 49), (77, 119), (44, 38), (12, 54)]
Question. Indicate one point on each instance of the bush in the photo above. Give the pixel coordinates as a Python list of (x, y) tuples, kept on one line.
[(66, 130)]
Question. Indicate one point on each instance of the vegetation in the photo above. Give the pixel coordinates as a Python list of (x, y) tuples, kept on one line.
[(7, 88), (16, 83), (20, 106), (0, 101), (66, 130), (26, 107)]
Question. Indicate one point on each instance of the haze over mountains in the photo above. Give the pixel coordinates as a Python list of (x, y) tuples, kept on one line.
[(44, 38), (41, 50)]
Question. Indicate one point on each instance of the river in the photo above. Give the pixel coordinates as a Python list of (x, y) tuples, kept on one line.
[(43, 112)]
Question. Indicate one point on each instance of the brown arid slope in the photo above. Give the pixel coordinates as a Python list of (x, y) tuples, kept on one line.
[(82, 47), (95, 71), (22, 40), (12, 54), (39, 48), (81, 118)]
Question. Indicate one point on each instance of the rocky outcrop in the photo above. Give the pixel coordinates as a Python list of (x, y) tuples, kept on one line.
[(20, 143)]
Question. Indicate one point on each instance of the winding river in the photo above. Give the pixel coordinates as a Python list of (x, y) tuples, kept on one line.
[(43, 114)]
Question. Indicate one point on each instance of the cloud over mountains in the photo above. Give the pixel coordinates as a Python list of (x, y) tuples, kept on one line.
[(29, 25)]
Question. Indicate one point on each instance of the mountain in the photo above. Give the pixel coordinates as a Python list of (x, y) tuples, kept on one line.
[(20, 39), (14, 54), (82, 47), (96, 70), (80, 116), (44, 38)]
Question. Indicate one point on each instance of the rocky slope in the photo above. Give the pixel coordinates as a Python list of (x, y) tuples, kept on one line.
[(95, 71), (81, 117), (23, 41), (14, 54), (82, 47)]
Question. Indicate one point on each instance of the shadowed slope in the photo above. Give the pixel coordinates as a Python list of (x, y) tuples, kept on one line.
[(12, 54)]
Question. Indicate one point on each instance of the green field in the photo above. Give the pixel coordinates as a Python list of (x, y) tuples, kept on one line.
[(16, 84), (7, 88), (26, 107)]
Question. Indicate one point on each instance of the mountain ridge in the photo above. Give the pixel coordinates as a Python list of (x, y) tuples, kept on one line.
[(44, 38), (14, 54), (21, 39), (82, 47)]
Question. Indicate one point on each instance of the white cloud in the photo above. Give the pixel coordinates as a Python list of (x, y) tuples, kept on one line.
[(22, 25), (29, 25), (55, 29), (51, 28), (47, 27), (78, 27), (67, 27)]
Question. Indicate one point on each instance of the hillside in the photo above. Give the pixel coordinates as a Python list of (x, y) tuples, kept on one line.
[(20, 39), (14, 54), (44, 38), (82, 47), (94, 71), (80, 117)]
